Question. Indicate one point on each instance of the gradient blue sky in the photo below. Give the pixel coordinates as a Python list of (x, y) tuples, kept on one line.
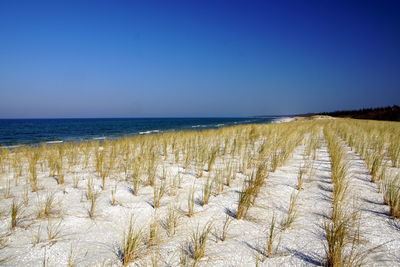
[(196, 58)]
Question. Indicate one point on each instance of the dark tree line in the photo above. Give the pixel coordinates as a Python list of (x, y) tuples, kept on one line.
[(390, 113)]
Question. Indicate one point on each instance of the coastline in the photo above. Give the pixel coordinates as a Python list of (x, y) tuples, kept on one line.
[(196, 127)]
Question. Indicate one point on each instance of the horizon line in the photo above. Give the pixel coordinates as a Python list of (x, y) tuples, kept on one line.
[(172, 117)]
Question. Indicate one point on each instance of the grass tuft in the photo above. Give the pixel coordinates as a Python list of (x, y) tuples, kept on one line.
[(206, 192), (292, 212), (198, 241), (191, 202), (15, 214), (132, 245), (227, 222)]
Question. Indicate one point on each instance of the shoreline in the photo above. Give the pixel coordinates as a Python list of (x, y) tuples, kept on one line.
[(197, 127)]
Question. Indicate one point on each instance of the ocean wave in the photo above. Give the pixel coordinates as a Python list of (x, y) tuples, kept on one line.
[(282, 119), (198, 126), (149, 132), (54, 142), (99, 138)]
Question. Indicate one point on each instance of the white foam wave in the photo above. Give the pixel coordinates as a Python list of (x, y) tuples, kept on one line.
[(54, 142), (149, 132), (282, 119)]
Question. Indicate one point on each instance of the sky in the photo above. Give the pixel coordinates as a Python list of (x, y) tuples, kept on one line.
[(68, 59)]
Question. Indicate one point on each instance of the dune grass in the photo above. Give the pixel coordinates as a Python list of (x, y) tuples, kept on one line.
[(172, 220), (391, 194), (198, 242), (378, 144), (225, 227), (207, 189), (191, 202), (158, 170), (269, 248), (46, 208), (154, 237), (132, 244), (158, 193), (292, 212), (342, 232), (92, 207), (15, 214)]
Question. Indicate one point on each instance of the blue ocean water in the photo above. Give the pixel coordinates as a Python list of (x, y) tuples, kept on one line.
[(35, 131)]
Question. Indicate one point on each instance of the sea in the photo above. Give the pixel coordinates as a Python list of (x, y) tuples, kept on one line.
[(18, 132)]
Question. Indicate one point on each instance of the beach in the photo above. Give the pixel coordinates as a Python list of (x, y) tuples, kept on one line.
[(246, 195)]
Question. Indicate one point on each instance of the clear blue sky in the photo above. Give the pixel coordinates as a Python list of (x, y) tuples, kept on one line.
[(196, 58)]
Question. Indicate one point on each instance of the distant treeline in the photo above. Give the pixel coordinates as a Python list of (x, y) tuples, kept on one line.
[(390, 113)]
